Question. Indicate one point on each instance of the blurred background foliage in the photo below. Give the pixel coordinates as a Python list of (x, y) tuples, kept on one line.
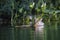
[(23, 12), (22, 9)]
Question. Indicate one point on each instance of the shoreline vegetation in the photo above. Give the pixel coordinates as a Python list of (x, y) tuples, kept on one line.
[(17, 19)]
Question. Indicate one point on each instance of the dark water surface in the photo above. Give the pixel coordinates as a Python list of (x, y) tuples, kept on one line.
[(51, 32)]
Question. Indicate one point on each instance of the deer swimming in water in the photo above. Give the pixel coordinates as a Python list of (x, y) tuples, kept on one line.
[(39, 29)]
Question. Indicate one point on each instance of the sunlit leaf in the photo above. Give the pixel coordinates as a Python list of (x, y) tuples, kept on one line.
[(20, 10), (38, 10), (32, 5), (25, 12)]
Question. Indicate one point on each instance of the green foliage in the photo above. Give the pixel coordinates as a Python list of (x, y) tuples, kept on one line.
[(30, 7), (26, 7), (20, 10), (46, 9)]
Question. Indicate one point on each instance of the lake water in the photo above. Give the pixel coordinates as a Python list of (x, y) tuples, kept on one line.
[(51, 32)]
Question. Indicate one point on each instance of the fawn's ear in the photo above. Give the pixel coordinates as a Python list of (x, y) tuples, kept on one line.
[(41, 19)]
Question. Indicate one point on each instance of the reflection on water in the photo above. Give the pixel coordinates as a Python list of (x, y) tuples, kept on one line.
[(51, 31), (39, 30)]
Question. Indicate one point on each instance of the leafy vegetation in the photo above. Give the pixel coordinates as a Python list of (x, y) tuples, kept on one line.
[(20, 10)]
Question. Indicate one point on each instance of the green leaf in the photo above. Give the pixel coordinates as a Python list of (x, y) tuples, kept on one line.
[(38, 10), (20, 10), (31, 5)]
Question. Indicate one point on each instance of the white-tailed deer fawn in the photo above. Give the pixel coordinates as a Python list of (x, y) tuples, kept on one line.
[(39, 29), (39, 24)]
